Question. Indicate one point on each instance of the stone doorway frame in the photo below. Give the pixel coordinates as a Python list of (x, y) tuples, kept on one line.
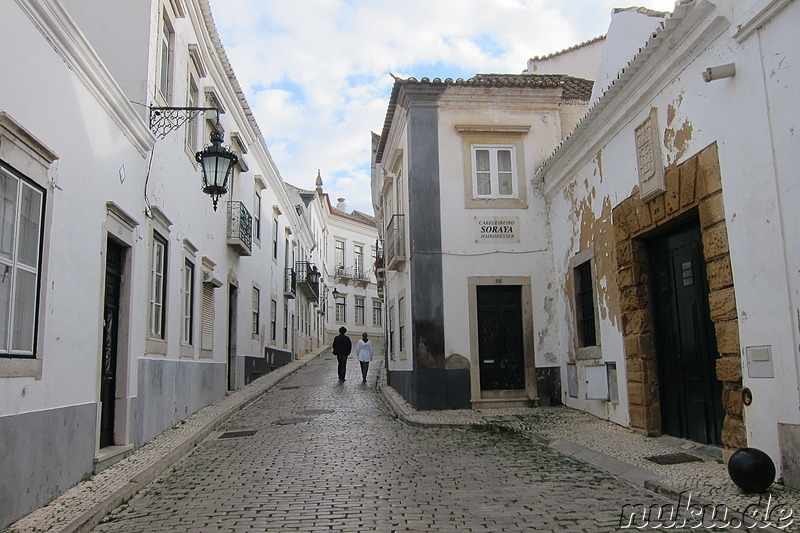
[(693, 188)]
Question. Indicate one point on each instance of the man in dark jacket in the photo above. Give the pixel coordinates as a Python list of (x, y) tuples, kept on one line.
[(341, 349)]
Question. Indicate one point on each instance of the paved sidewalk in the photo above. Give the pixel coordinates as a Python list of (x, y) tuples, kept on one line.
[(574, 433), (623, 452), (83, 506)]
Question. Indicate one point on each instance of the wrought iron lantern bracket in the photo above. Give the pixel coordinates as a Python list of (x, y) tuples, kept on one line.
[(163, 120)]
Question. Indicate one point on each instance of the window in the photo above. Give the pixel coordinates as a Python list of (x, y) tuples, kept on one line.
[(377, 315), (158, 286), (493, 173), (256, 310), (360, 311), (339, 257), (188, 302), (494, 166), (275, 239), (21, 215), (359, 260), (273, 321), (257, 216), (584, 305), (341, 310), (399, 188), (401, 322), (192, 100), (165, 58)]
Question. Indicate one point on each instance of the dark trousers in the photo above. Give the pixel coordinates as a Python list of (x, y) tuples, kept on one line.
[(342, 366), (364, 368)]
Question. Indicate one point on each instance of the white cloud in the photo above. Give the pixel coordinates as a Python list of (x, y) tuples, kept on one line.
[(316, 72)]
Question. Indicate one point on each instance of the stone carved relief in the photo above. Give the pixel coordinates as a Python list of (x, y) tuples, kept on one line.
[(648, 157)]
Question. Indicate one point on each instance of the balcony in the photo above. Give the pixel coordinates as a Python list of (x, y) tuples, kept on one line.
[(289, 283), (380, 265), (240, 228), (308, 280), (395, 243), (355, 274)]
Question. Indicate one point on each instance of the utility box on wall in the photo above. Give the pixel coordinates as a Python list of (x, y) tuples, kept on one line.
[(596, 382)]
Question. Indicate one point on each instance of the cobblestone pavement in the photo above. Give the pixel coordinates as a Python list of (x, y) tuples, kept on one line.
[(330, 456)]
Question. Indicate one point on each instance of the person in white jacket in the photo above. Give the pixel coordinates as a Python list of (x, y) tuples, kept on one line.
[(364, 354)]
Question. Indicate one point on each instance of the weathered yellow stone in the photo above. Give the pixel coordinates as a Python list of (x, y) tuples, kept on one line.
[(727, 337), (712, 211), (688, 173), (672, 196), (636, 322), (732, 401), (657, 209), (722, 305), (634, 298), (708, 173), (729, 369), (734, 433), (719, 273), (636, 393), (638, 414), (715, 241), (624, 253)]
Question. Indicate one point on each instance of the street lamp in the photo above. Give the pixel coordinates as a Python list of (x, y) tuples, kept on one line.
[(216, 162), (335, 293), (313, 275)]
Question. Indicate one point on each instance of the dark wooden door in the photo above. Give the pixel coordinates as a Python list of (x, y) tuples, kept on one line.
[(690, 394), (500, 345), (232, 309), (108, 370)]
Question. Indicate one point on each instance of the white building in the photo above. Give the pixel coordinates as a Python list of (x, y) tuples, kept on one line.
[(466, 243), (351, 265), (674, 195), (128, 301)]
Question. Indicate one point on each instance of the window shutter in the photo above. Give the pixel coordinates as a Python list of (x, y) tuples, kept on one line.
[(207, 318)]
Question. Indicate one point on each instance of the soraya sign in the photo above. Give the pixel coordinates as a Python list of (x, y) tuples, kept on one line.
[(497, 229)]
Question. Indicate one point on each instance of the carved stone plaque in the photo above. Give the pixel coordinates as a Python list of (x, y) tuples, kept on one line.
[(648, 158)]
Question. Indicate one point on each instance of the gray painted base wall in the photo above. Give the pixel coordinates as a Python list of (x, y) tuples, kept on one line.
[(42, 454), (170, 391), (432, 389)]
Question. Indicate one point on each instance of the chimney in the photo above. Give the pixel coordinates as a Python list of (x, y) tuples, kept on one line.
[(341, 205)]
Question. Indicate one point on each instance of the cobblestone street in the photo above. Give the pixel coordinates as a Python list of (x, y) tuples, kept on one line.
[(329, 456)]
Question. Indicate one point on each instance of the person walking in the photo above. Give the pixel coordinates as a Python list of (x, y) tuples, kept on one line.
[(342, 346), (364, 354)]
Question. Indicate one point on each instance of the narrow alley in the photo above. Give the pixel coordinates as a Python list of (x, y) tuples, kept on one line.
[(314, 454)]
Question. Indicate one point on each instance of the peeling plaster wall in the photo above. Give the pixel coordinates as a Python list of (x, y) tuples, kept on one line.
[(753, 118)]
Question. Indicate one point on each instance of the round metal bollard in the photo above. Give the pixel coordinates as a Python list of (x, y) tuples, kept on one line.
[(751, 469)]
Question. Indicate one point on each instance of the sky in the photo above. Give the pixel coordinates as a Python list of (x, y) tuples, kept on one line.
[(317, 73)]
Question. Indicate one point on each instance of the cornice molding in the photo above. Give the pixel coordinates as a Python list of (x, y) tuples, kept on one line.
[(68, 41)]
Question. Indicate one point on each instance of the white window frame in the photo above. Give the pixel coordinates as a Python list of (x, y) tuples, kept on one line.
[(359, 312), (341, 309), (256, 302), (377, 313), (158, 286), (273, 317), (338, 259), (166, 53), (187, 330), (494, 171), (21, 319), (358, 258)]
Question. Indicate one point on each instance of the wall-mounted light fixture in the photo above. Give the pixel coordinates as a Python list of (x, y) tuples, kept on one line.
[(216, 162), (719, 72)]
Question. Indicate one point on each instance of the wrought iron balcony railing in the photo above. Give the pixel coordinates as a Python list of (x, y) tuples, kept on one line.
[(354, 273), (308, 279), (395, 242), (240, 228)]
